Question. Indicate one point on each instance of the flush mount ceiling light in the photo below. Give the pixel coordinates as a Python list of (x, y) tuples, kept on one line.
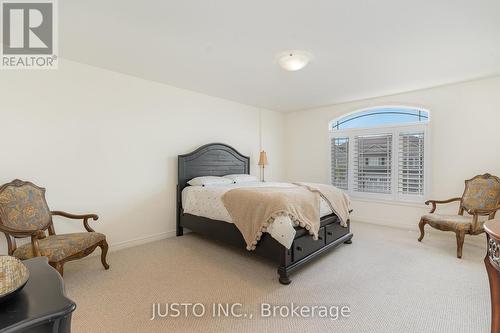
[(294, 60)]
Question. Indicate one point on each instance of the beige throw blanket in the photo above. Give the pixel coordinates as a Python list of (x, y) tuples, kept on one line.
[(337, 199), (252, 210)]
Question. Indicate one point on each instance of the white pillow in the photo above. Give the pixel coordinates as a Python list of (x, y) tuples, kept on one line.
[(209, 180), (241, 178)]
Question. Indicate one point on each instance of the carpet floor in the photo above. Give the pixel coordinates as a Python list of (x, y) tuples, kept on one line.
[(390, 282)]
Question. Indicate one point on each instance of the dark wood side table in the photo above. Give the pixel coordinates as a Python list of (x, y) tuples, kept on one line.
[(41, 305), (492, 262)]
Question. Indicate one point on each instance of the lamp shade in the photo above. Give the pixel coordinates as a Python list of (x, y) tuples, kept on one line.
[(263, 158)]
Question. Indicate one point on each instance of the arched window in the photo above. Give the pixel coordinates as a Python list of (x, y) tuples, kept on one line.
[(381, 153)]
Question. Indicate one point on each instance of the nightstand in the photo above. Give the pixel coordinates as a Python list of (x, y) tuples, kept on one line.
[(41, 306)]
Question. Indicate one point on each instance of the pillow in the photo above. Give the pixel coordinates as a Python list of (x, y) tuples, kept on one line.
[(241, 178), (209, 180)]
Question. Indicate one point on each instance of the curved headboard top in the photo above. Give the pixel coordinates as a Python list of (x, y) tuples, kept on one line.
[(213, 159)]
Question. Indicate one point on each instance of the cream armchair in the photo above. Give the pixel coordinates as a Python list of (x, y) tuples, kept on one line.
[(481, 197), (24, 213)]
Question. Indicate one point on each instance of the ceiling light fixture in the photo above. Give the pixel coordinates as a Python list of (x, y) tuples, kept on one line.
[(294, 60)]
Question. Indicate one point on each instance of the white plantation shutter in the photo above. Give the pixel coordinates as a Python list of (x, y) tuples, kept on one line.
[(340, 162), (373, 163), (411, 163), (381, 153)]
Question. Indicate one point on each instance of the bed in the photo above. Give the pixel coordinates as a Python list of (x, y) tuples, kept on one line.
[(217, 159)]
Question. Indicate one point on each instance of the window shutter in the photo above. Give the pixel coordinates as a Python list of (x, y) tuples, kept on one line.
[(411, 163), (373, 163), (340, 162)]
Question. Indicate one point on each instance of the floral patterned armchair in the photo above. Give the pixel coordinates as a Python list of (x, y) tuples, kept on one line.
[(24, 213), (481, 197)]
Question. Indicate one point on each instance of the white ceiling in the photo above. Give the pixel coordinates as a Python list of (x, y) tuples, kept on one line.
[(227, 48)]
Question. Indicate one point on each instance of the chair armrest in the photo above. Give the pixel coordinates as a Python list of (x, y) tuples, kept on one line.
[(434, 202), (478, 211), (74, 216), (84, 217)]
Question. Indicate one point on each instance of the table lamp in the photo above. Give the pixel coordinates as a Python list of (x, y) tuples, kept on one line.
[(263, 162)]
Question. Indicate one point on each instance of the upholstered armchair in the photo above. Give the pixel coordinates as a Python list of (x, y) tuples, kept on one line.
[(24, 213), (481, 197)]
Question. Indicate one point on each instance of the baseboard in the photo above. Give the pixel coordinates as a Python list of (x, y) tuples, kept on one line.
[(386, 223), (479, 240), (141, 240), (136, 241)]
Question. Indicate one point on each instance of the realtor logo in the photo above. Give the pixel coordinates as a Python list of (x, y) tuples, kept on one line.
[(29, 35)]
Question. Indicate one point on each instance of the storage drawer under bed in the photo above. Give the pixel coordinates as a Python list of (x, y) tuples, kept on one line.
[(334, 231), (306, 245)]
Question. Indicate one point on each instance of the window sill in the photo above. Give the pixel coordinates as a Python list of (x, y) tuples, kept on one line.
[(415, 204)]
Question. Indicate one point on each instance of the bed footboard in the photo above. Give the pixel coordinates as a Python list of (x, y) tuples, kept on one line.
[(304, 248), (313, 250)]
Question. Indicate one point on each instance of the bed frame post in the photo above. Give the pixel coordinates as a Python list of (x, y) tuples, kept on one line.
[(284, 276), (179, 231), (282, 271), (349, 241)]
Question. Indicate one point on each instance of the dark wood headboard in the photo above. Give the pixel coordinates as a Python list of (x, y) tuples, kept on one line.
[(214, 159)]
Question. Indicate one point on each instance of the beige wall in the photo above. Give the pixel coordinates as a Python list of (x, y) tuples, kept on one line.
[(465, 141), (107, 143)]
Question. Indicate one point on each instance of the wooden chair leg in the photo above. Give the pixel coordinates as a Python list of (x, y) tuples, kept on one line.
[(460, 242), (421, 226), (104, 251), (58, 266)]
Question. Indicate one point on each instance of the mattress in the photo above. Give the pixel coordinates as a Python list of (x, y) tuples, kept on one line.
[(206, 201)]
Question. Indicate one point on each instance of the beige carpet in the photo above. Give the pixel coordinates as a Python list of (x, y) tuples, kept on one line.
[(391, 282)]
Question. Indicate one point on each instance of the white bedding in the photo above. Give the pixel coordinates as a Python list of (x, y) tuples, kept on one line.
[(206, 201)]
